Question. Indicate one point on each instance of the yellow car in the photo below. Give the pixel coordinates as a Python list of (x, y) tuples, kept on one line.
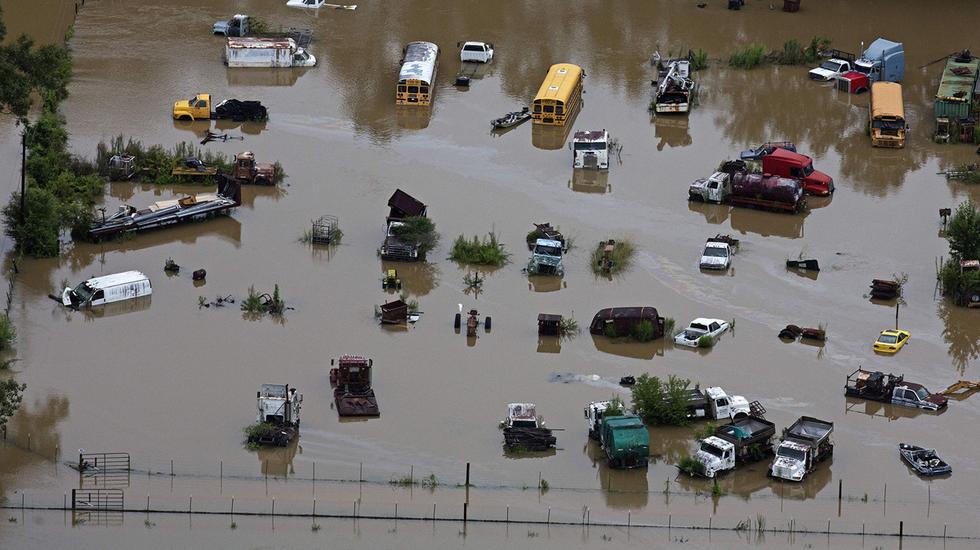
[(891, 340)]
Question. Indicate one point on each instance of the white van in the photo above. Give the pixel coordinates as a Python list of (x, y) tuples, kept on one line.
[(107, 289)]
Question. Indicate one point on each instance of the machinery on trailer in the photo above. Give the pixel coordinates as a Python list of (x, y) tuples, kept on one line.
[(351, 380)]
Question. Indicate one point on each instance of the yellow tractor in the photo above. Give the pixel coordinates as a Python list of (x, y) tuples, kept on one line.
[(390, 281)]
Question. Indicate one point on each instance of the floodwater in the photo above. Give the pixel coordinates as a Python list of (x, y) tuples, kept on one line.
[(166, 380)]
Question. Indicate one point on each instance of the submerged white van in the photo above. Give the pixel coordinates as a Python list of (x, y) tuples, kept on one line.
[(107, 289)]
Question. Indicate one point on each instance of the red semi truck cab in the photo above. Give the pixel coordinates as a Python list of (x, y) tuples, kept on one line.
[(788, 164)]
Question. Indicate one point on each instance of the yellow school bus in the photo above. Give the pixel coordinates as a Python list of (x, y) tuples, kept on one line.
[(417, 77), (559, 96), (887, 115)]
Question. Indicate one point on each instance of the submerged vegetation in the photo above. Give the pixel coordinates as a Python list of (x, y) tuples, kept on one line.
[(258, 304), (617, 261), (477, 251), (256, 431), (8, 333), (420, 230)]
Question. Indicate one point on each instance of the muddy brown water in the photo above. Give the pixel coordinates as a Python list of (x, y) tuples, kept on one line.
[(165, 379)]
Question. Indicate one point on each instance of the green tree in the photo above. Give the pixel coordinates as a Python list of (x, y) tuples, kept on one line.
[(661, 402), (27, 70), (11, 394), (963, 232), (38, 233)]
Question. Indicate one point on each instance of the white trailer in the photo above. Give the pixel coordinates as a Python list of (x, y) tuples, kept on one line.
[(107, 289), (266, 52)]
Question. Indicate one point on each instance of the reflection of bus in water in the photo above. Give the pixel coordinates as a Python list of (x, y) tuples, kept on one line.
[(589, 181), (559, 96), (550, 138), (412, 117), (418, 74)]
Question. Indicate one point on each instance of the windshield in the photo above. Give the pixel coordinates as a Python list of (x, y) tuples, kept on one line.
[(524, 424), (715, 252), (590, 146), (711, 449), (808, 169), (84, 292), (547, 250), (791, 453), (831, 66), (473, 48), (922, 394), (887, 339)]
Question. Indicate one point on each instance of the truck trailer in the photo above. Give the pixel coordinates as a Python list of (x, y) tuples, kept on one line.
[(266, 52)]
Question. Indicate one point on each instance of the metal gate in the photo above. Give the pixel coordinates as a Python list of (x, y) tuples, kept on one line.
[(103, 469), (97, 499)]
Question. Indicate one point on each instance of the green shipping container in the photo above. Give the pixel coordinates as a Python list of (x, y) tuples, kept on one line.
[(955, 95)]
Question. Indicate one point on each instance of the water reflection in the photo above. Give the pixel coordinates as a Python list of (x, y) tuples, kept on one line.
[(590, 181), (32, 437), (263, 77), (418, 278), (672, 131), (200, 128), (627, 348), (117, 308), (877, 409), (551, 138), (413, 117), (962, 332), (768, 224), (278, 461), (549, 344), (545, 283), (621, 489)]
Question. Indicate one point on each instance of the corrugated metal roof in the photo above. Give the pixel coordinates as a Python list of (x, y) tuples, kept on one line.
[(420, 61), (958, 88), (253, 42)]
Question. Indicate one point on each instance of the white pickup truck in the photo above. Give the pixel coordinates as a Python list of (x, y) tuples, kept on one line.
[(830, 69)]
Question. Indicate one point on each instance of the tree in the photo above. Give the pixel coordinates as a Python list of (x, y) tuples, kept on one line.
[(661, 402), (963, 232), (27, 71), (38, 233), (11, 394)]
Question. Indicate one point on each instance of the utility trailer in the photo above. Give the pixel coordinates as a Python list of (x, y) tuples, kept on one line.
[(351, 380)]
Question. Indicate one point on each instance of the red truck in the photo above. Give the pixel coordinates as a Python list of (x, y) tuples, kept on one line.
[(788, 164)]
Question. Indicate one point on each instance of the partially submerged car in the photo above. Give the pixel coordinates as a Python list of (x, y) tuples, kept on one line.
[(766, 148), (699, 328), (716, 255), (891, 340)]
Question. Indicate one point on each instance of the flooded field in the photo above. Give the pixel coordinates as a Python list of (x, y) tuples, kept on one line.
[(166, 380)]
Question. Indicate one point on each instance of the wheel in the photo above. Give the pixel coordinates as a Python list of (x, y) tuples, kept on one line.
[(486, 323), (456, 322), (739, 416), (384, 285), (398, 285), (186, 118)]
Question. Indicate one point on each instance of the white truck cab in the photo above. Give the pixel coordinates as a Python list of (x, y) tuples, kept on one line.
[(715, 188), (716, 455), (593, 417), (830, 69), (107, 289), (477, 52), (590, 149), (721, 405), (546, 258), (791, 461)]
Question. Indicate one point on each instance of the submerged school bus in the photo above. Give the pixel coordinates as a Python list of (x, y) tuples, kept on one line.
[(887, 115), (559, 96), (418, 74)]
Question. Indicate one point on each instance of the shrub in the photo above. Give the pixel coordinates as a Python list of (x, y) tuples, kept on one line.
[(690, 465), (699, 60), (36, 232), (643, 331), (706, 341), (486, 251), (620, 258), (8, 333), (420, 230)]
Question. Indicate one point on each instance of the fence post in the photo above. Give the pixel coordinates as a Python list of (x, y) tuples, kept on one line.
[(73, 499), (147, 503), (171, 467), (901, 529), (190, 503), (273, 506), (549, 515), (465, 511), (467, 474), (233, 505), (506, 517), (314, 508), (433, 511)]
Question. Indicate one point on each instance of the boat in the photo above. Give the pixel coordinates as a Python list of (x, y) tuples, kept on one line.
[(316, 4), (924, 461), (511, 119)]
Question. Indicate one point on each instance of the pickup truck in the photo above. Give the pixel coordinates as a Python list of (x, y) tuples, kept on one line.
[(839, 63), (395, 246), (199, 108), (743, 441), (236, 26), (625, 441), (888, 388), (805, 444), (699, 328), (717, 255), (733, 185), (715, 404)]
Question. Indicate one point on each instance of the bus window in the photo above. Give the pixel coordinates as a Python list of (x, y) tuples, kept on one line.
[(549, 108), (424, 89), (537, 107), (402, 89), (559, 110), (413, 89)]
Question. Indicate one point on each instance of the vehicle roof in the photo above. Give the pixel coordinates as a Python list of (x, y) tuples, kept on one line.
[(623, 421), (886, 100), (561, 79), (406, 204), (249, 42), (852, 75), (953, 84), (116, 279), (274, 390), (786, 154), (475, 43), (590, 135), (894, 332), (716, 244), (548, 242), (420, 61), (878, 47), (706, 321), (554, 317), (634, 312), (522, 411), (715, 392), (794, 445), (717, 442)]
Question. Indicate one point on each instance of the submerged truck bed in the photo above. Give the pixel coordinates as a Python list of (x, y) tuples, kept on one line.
[(747, 431)]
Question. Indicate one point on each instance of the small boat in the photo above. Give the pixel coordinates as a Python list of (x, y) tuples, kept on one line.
[(924, 461), (511, 119), (316, 4)]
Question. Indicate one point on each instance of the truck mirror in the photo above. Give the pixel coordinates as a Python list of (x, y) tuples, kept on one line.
[(586, 411), (258, 394), (370, 362), (331, 361)]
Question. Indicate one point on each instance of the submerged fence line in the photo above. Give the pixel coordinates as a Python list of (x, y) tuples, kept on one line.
[(740, 526)]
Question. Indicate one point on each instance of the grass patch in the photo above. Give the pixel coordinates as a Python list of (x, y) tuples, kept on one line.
[(706, 341), (155, 163), (669, 325), (258, 304), (256, 431), (568, 326), (699, 60), (748, 57), (717, 491), (617, 261), (705, 432), (477, 251), (643, 331)]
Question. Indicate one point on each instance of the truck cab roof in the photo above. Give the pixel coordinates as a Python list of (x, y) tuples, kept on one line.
[(718, 442)]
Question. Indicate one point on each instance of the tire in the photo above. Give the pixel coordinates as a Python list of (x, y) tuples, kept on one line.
[(185, 118), (456, 322), (486, 323), (739, 416)]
